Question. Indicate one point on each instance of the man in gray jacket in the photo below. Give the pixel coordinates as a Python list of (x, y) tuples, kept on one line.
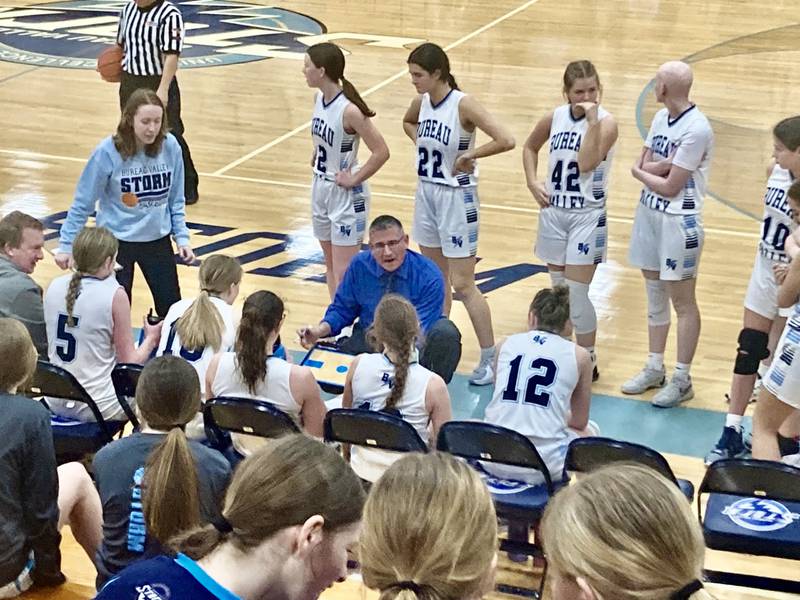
[(21, 243)]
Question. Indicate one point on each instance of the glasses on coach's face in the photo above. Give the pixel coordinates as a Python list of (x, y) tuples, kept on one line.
[(391, 244)]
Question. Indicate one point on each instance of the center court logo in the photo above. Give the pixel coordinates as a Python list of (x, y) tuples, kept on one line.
[(218, 32), (760, 515)]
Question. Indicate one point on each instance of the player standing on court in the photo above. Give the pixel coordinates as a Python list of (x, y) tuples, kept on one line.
[(761, 311), (339, 192), (667, 236), (151, 34), (572, 234), (442, 121)]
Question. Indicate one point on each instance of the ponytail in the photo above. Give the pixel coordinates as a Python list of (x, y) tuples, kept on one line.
[(400, 376), (73, 291), (352, 94), (170, 500), (201, 325), (451, 81), (261, 316), (396, 327)]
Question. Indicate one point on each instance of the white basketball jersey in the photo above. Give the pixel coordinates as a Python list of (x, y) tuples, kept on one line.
[(170, 342), (85, 349), (275, 389), (568, 187), (336, 150), (372, 383), (692, 139), (441, 139), (536, 374), (777, 224)]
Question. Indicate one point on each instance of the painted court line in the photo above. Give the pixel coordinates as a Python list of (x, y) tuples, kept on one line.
[(484, 206), (375, 88)]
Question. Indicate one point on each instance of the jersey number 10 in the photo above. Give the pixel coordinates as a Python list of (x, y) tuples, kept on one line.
[(542, 376)]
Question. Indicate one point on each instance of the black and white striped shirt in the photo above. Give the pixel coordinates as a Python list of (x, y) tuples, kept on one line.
[(147, 34)]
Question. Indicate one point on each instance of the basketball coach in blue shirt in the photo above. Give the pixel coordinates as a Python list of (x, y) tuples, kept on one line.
[(390, 267)]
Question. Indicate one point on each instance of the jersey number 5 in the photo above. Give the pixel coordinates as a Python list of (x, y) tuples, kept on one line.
[(542, 376), (66, 344), (572, 183), (422, 165)]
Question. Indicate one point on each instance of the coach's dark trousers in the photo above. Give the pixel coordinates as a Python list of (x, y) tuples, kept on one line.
[(131, 83), (440, 351), (157, 263)]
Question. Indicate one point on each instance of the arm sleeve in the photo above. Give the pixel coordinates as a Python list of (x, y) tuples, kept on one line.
[(40, 504), (171, 34), (29, 310), (93, 180), (345, 306), (693, 147), (177, 201), (429, 298)]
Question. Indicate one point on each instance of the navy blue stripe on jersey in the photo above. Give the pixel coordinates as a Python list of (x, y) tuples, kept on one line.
[(601, 222), (327, 104), (442, 101), (463, 142), (347, 145), (463, 179), (359, 204), (691, 234), (146, 35)]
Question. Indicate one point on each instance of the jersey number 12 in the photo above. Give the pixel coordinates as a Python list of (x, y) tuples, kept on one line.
[(542, 376)]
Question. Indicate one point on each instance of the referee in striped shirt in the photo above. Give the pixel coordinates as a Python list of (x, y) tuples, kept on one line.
[(151, 35)]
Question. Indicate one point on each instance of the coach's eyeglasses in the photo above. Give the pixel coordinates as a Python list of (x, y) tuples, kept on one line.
[(391, 244)]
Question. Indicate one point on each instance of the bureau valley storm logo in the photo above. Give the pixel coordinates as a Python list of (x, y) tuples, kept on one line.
[(218, 32)]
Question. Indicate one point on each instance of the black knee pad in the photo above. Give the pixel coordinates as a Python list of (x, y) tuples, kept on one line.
[(751, 351)]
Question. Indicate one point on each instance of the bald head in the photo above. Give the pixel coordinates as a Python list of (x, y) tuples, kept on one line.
[(676, 77)]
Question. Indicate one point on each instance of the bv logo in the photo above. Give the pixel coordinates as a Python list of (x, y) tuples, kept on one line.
[(758, 514), (672, 264), (218, 32), (345, 230), (457, 240), (583, 248), (386, 379)]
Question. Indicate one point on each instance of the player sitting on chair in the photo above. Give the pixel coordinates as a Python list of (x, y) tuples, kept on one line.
[(389, 266)]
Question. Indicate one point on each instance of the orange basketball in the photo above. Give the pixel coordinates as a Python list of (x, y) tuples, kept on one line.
[(109, 64)]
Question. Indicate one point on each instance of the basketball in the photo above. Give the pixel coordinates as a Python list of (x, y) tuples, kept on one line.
[(109, 64)]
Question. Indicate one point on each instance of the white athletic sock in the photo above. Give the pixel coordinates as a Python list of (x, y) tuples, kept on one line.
[(682, 371), (557, 278), (487, 354), (655, 361), (734, 421)]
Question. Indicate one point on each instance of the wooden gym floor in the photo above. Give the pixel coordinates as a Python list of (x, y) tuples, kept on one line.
[(246, 124)]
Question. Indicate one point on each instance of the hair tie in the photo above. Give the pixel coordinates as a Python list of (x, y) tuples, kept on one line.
[(686, 591), (222, 525), (408, 585)]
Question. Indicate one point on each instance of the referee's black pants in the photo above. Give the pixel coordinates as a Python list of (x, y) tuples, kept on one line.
[(131, 83), (157, 263)]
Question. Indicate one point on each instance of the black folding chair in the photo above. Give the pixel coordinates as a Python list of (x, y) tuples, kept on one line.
[(477, 441), (125, 376), (372, 429), (584, 455), (246, 415), (72, 439), (753, 508)]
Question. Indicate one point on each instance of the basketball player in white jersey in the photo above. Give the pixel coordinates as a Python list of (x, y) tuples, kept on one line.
[(197, 328), (572, 234), (544, 385), (88, 318), (763, 319), (442, 121), (667, 236), (777, 412), (393, 381), (252, 371), (339, 191)]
